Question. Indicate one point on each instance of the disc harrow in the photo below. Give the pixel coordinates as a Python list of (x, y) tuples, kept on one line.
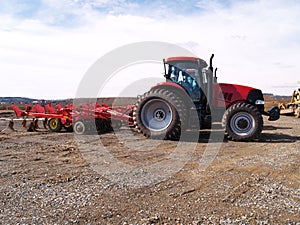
[(81, 119)]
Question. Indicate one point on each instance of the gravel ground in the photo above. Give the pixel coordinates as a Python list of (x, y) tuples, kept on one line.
[(48, 178)]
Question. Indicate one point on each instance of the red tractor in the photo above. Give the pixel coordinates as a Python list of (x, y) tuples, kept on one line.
[(190, 89)]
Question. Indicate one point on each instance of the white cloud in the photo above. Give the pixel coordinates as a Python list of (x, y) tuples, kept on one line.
[(210, 5), (256, 43)]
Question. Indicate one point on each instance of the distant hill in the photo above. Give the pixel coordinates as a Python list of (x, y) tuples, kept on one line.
[(16, 100), (23, 100), (276, 97)]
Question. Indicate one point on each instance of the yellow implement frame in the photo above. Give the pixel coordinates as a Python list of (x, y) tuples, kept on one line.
[(293, 107)]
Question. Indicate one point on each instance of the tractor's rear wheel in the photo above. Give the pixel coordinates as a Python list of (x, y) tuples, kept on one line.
[(54, 125), (160, 113), (242, 122)]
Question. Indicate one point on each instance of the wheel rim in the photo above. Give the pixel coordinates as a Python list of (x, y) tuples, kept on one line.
[(242, 124), (53, 124), (67, 125), (156, 115), (79, 127)]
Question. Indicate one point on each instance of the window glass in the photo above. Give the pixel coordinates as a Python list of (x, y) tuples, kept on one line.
[(188, 78)]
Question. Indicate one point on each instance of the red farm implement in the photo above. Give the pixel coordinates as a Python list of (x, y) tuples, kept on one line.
[(78, 118)]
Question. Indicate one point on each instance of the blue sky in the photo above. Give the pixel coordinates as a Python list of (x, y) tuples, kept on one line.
[(48, 42), (32, 8)]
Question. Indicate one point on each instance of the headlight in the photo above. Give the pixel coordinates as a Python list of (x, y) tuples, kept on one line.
[(259, 102)]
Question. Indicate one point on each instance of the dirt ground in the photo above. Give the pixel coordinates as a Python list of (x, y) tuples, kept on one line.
[(51, 178)]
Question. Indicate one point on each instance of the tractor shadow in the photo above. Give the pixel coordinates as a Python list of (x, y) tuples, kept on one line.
[(212, 136), (217, 135), (205, 136), (278, 138), (276, 128)]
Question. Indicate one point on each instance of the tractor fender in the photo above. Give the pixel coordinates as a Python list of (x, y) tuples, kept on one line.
[(171, 86), (168, 85), (235, 102)]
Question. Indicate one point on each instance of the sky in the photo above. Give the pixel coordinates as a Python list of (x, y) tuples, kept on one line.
[(46, 46)]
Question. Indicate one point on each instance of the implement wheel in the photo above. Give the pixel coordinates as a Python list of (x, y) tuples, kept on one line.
[(68, 127), (79, 127), (54, 125)]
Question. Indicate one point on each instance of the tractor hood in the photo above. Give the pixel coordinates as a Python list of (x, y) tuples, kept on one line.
[(233, 93)]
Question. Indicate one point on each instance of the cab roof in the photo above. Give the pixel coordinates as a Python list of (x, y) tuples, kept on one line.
[(185, 58), (181, 58)]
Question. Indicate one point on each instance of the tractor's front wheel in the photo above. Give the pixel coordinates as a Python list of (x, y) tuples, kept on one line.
[(242, 122), (54, 125), (160, 113)]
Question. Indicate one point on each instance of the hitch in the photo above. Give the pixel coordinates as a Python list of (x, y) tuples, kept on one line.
[(273, 113)]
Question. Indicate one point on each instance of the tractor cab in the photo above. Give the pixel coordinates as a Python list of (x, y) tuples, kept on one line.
[(191, 74)]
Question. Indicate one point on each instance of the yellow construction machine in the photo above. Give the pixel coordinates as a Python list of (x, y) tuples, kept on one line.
[(293, 107)]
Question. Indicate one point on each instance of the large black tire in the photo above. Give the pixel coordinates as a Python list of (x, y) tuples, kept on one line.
[(242, 122), (54, 125), (160, 113)]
